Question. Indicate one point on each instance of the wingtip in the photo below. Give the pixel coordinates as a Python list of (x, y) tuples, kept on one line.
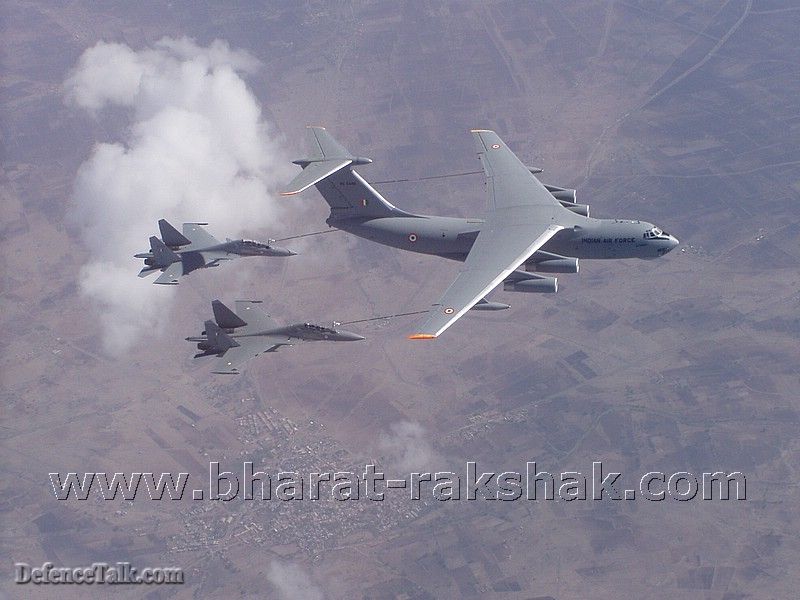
[(314, 127), (479, 130), (422, 336)]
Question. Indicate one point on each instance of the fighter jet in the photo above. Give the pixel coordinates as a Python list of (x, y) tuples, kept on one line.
[(529, 227), (236, 337), (177, 254)]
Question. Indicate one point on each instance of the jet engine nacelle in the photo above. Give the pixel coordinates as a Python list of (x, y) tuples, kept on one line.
[(547, 262), (581, 209), (536, 285), (562, 194), (567, 198), (557, 265)]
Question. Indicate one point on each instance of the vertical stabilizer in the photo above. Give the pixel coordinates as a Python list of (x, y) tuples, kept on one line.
[(218, 341), (171, 236), (225, 317), (162, 256), (330, 169)]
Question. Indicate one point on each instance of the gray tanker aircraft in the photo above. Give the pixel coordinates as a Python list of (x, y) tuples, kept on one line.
[(236, 337), (528, 227), (177, 254)]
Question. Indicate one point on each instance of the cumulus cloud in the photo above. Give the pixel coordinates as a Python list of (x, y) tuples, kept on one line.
[(197, 149), (292, 582), (407, 449)]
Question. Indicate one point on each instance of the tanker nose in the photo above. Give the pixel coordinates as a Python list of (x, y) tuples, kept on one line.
[(673, 243), (668, 245)]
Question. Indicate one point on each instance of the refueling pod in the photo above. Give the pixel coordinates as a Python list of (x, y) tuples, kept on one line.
[(487, 305)]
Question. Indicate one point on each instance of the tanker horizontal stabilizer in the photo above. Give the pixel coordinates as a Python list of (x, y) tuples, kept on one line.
[(314, 173), (327, 157)]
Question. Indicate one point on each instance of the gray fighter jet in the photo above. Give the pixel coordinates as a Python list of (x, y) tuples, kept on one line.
[(177, 254), (236, 337), (529, 227)]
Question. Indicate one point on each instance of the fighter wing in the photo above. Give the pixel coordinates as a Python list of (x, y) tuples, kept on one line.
[(171, 274), (501, 247), (257, 320), (510, 182), (249, 347), (199, 237)]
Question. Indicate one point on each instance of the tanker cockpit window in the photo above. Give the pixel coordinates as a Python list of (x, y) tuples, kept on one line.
[(653, 233)]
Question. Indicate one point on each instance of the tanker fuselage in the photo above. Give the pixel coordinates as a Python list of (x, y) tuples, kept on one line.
[(449, 237)]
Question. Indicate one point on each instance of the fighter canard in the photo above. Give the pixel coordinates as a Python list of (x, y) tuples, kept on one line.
[(178, 254), (528, 227), (236, 337)]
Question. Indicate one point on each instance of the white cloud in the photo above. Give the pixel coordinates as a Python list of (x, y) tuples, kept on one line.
[(407, 448), (197, 149), (292, 582)]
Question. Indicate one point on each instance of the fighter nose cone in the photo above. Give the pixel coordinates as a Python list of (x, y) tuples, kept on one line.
[(348, 336), (276, 251)]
